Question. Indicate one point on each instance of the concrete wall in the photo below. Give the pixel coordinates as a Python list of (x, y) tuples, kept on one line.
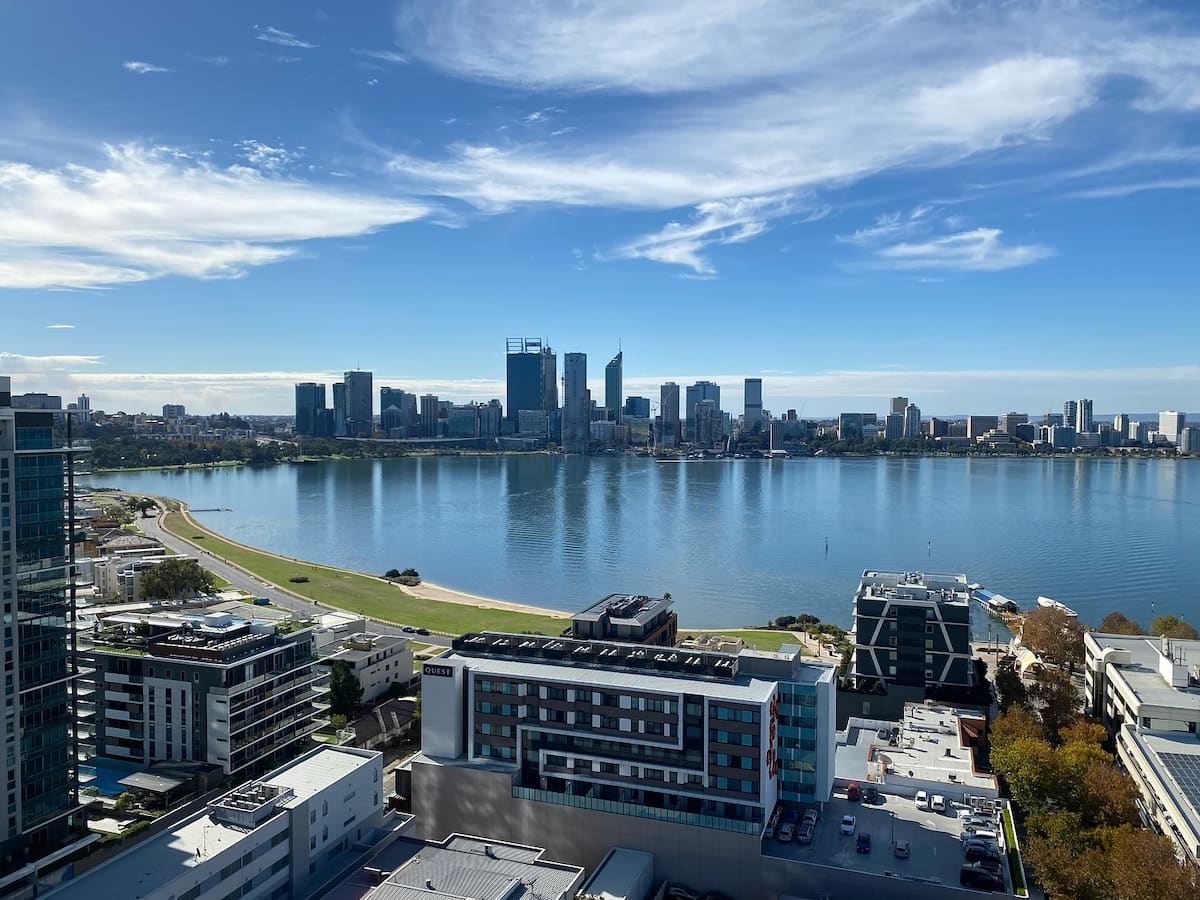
[(451, 798)]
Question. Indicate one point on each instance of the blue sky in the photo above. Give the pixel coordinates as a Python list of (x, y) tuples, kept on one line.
[(980, 206)]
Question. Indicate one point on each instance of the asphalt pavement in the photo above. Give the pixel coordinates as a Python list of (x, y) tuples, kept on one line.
[(241, 579)]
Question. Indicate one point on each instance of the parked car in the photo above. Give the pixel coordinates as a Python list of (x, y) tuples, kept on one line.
[(853, 791), (901, 849), (422, 631), (938, 803), (773, 823), (804, 834), (811, 816), (979, 835), (922, 800), (870, 794), (863, 844), (977, 876), (787, 831), (979, 852), (848, 825), (409, 629), (969, 822)]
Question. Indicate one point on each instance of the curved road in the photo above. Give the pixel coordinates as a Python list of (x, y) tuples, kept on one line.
[(256, 587)]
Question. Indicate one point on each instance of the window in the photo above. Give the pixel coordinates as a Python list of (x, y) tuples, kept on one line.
[(892, 641), (929, 673), (891, 670), (607, 768), (556, 693), (929, 628), (929, 645), (653, 774)]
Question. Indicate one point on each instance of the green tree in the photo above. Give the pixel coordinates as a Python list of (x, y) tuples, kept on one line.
[(1010, 688), (1119, 623), (1054, 636), (1173, 627), (1013, 725), (1142, 865), (345, 691), (392, 573), (785, 621), (124, 802), (1057, 699), (173, 579)]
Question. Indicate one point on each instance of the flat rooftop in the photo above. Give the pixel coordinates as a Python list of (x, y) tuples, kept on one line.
[(930, 748), (931, 586), (1175, 756), (1142, 674), (739, 688), (465, 866), (357, 648), (625, 609), (157, 861)]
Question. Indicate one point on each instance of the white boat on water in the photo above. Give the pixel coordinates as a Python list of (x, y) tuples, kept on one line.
[(1047, 603)]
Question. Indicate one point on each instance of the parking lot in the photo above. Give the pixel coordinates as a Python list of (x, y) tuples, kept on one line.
[(935, 849)]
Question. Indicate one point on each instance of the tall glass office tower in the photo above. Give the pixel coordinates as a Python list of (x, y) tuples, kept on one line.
[(38, 630), (613, 387)]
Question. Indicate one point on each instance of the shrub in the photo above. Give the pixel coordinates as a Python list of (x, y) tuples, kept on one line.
[(299, 579), (392, 573)]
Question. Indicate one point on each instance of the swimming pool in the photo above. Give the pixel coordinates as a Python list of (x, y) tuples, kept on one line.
[(103, 774)]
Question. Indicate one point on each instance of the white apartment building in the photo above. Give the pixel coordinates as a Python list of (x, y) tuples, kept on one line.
[(280, 836), (1146, 690), (377, 661), (1170, 424)]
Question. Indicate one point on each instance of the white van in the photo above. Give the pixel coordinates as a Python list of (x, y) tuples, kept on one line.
[(922, 800), (938, 803)]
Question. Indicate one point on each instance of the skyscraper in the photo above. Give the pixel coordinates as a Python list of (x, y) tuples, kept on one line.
[(36, 565), (912, 421), (1121, 427), (430, 406), (1083, 417), (697, 394), (1010, 421), (397, 408), (668, 415), (752, 407), (576, 412), (899, 405), (310, 409), (339, 410), (360, 404), (1170, 424), (549, 380), (637, 407), (1070, 413), (613, 387), (525, 364)]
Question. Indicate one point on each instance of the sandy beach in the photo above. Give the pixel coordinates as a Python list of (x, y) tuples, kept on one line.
[(429, 591)]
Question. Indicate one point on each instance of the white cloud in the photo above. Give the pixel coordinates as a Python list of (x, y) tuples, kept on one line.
[(214, 60), (714, 223), (273, 35), (389, 56), (977, 250), (772, 96), (25, 363), (142, 68), (371, 82), (266, 157), (1137, 187), (60, 326), (148, 212)]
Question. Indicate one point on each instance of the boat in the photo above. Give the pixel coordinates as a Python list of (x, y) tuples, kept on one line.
[(1047, 603)]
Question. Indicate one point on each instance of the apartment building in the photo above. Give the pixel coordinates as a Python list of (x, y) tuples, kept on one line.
[(550, 740), (629, 618), (1146, 690), (236, 693), (912, 630), (278, 837), (376, 660)]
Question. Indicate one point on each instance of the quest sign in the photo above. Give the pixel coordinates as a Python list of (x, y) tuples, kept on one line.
[(438, 671)]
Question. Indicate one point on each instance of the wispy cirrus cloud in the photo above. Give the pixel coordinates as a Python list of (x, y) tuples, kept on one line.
[(142, 68), (976, 250), (774, 97), (273, 35), (217, 61), (146, 212), (57, 326), (388, 56), (714, 223)]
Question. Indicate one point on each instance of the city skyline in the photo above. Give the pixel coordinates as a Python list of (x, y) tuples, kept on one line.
[(604, 180)]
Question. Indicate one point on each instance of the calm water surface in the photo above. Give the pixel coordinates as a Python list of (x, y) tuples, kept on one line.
[(735, 542)]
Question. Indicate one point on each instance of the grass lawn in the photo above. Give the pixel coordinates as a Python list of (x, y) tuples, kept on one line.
[(758, 640), (362, 594)]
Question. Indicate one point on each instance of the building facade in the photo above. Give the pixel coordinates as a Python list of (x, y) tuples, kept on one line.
[(711, 740), (628, 618), (980, 425), (377, 661), (281, 836), (912, 629), (897, 406), (668, 434), (360, 404), (310, 410), (1146, 691), (576, 412), (752, 415), (614, 387), (1083, 417), (1170, 424), (695, 395), (530, 382), (912, 421), (340, 413), (38, 627), (210, 688)]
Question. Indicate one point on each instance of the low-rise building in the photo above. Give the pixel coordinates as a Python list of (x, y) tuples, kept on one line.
[(377, 661), (629, 618), (1146, 690), (278, 837), (235, 693)]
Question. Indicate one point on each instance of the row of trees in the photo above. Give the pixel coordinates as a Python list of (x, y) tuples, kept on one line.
[(1171, 626), (1084, 838), (135, 452)]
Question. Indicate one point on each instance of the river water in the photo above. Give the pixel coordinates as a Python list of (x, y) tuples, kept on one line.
[(734, 541)]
